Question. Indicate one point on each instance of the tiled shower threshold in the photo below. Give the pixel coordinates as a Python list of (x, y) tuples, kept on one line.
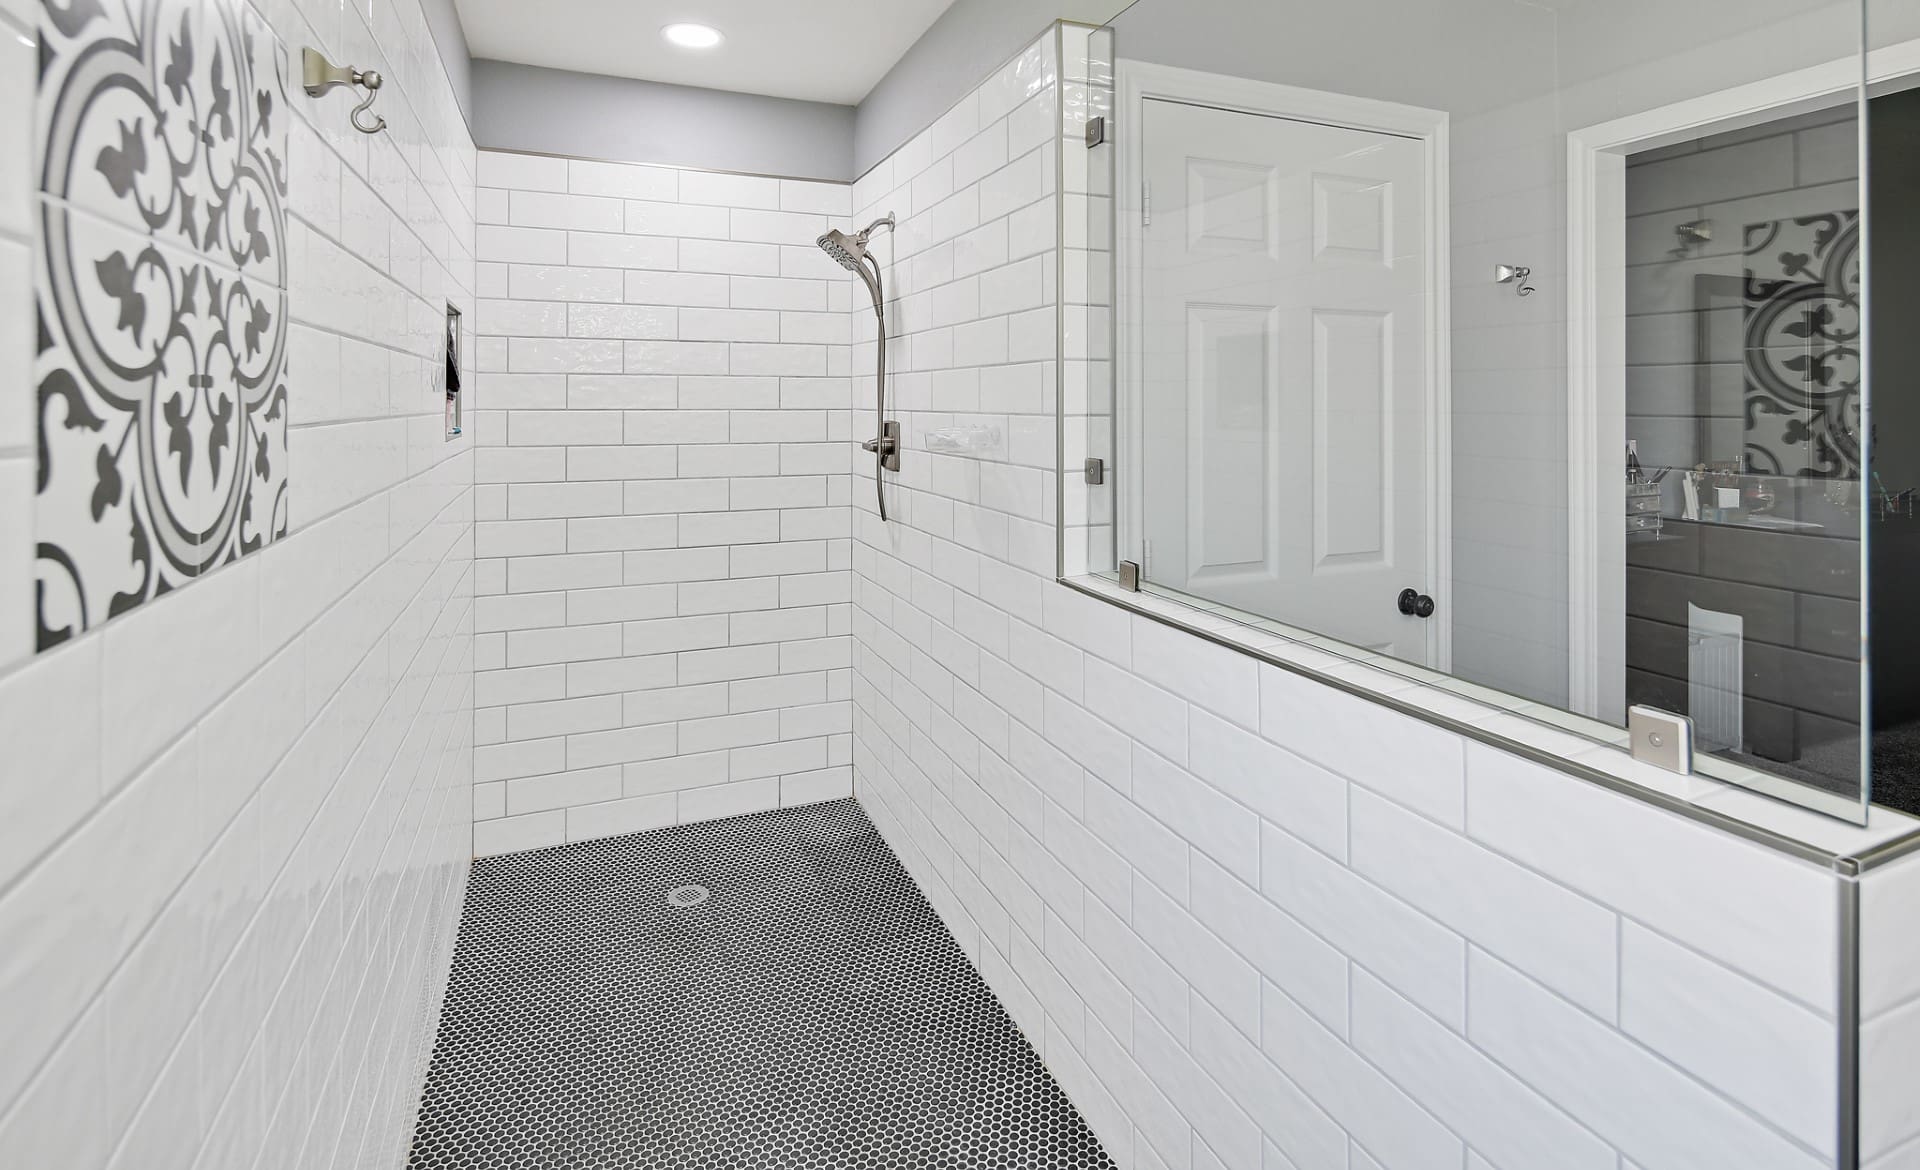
[(810, 1011)]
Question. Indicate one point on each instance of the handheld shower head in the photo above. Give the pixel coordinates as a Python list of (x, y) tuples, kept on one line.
[(850, 252)]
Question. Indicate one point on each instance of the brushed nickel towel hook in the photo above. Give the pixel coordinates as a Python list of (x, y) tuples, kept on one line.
[(321, 75), (1514, 274)]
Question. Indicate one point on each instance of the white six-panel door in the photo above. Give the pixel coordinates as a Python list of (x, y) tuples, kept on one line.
[(1285, 371)]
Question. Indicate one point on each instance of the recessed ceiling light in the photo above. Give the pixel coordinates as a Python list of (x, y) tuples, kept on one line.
[(692, 36)]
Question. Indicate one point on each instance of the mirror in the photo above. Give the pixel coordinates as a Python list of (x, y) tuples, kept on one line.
[(1514, 349)]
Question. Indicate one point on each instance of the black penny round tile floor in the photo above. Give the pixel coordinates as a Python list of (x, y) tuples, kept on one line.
[(809, 1011)]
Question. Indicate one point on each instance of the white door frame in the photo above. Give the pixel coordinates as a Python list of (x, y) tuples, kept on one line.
[(1137, 82), (1597, 341)]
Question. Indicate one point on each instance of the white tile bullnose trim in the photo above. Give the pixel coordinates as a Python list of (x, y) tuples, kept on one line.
[(1310, 685)]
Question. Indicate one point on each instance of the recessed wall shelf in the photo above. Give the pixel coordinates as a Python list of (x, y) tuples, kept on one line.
[(448, 379)]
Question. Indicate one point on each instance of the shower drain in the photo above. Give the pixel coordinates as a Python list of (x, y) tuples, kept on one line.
[(686, 897)]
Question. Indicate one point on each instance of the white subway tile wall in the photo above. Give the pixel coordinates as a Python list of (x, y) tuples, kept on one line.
[(664, 536), (1250, 921), (235, 829), (1086, 308), (1890, 1017), (18, 72)]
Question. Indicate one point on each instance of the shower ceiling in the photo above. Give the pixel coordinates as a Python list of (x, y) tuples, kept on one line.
[(820, 50)]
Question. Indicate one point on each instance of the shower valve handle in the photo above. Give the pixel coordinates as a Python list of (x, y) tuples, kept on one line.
[(886, 445)]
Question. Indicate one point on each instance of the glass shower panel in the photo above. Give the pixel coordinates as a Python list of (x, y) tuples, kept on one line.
[(1286, 377), (1512, 349), (1892, 234), (1086, 319), (1743, 423)]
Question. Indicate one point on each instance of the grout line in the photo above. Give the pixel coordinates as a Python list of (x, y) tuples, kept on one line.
[(191, 729)]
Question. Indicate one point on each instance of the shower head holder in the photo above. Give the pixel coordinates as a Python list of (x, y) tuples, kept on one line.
[(850, 252)]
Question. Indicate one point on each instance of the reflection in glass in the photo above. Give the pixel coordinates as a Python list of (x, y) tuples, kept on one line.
[(1744, 441), (1287, 384), (1893, 522), (1639, 475)]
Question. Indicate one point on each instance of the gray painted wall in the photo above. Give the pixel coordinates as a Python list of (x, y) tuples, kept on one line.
[(555, 111), (450, 39), (585, 115), (968, 42), (1463, 56)]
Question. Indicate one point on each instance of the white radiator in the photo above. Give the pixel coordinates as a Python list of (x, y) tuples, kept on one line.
[(1715, 673)]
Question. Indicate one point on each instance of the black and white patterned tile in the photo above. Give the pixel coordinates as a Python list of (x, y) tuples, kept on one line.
[(161, 289), (810, 1011), (1802, 347)]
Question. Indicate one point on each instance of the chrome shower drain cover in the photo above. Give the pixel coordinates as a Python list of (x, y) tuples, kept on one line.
[(686, 897)]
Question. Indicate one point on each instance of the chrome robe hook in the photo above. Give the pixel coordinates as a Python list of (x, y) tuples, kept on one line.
[(321, 75)]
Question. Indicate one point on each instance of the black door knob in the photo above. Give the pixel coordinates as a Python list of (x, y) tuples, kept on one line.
[(1414, 603)]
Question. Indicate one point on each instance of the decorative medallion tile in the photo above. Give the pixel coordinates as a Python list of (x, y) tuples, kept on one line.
[(1802, 320), (162, 300)]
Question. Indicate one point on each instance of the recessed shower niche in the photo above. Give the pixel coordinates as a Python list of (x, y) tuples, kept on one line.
[(447, 376)]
